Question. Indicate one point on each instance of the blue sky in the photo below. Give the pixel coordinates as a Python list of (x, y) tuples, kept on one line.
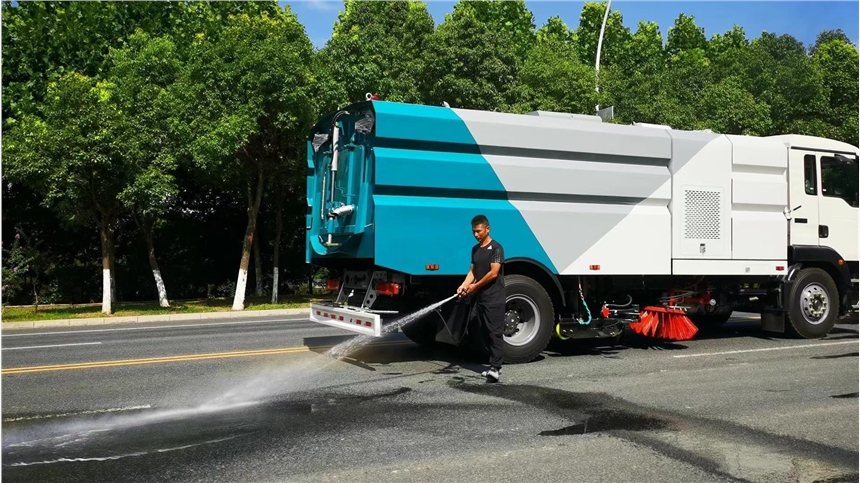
[(803, 20)]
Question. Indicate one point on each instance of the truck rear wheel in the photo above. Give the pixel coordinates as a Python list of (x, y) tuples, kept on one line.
[(529, 317), (813, 304), (711, 320)]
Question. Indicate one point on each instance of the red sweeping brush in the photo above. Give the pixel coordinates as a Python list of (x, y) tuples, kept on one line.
[(664, 323)]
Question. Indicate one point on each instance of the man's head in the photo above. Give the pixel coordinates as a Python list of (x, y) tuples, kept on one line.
[(480, 228)]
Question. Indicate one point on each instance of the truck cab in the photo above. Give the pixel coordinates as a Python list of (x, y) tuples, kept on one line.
[(823, 211)]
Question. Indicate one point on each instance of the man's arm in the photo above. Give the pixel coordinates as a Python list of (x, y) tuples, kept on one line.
[(470, 277), (488, 278)]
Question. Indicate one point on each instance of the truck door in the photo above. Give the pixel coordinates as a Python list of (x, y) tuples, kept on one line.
[(837, 204), (803, 182)]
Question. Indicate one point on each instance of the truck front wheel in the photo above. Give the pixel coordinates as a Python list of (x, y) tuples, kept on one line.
[(813, 304)]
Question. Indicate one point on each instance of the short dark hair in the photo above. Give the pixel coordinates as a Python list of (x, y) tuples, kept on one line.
[(480, 220)]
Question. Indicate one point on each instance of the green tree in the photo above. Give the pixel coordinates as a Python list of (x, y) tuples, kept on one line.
[(469, 64), (685, 36), (727, 108), (72, 156), (838, 61), (376, 47), (645, 50), (142, 73), (726, 51), (828, 36), (616, 36), (242, 106), (777, 72), (555, 30), (552, 78), (44, 39), (511, 18), (24, 267)]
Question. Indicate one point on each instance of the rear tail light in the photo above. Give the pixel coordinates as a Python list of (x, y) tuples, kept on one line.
[(332, 284), (388, 288)]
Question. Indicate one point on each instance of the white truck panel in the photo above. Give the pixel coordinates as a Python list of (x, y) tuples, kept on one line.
[(759, 196), (701, 196)]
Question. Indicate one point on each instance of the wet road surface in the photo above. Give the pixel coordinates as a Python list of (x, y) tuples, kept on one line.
[(259, 401)]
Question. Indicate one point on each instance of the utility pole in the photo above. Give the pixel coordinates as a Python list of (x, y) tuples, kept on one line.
[(597, 59)]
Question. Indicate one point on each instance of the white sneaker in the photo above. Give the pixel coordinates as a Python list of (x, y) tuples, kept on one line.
[(492, 374)]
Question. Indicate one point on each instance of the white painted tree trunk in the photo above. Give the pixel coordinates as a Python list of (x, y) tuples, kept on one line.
[(153, 265), (106, 292), (275, 285), (254, 199), (162, 291), (241, 283)]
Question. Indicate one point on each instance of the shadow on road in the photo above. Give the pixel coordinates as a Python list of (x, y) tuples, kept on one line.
[(396, 348)]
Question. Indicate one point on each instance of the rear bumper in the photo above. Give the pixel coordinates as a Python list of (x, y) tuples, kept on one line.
[(353, 320)]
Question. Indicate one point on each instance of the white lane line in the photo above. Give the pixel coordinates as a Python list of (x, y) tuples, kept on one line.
[(157, 327), (76, 413), (46, 346), (804, 346)]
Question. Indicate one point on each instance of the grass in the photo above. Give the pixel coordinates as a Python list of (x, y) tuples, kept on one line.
[(129, 309)]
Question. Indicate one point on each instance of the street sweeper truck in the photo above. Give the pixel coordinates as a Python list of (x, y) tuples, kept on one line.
[(604, 225)]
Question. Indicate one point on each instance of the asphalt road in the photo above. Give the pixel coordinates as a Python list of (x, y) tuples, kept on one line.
[(260, 401)]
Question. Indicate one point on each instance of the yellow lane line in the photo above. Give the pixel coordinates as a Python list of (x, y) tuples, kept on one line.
[(182, 358)]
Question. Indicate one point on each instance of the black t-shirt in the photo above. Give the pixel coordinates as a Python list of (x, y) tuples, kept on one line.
[(482, 257)]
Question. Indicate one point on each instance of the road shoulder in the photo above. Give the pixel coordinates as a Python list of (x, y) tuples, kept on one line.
[(80, 322)]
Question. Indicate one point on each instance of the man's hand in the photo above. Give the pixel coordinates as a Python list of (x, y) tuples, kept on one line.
[(463, 290)]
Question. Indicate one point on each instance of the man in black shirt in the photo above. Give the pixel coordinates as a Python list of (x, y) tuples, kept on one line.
[(486, 282)]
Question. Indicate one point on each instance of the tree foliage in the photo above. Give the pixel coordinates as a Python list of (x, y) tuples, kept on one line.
[(376, 47)]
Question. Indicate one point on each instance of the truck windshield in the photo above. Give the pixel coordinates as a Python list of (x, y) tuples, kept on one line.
[(839, 178)]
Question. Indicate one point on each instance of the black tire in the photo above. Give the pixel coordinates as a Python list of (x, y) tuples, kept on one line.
[(813, 304), (524, 348), (711, 320)]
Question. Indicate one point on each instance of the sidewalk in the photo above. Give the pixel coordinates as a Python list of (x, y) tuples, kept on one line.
[(77, 322)]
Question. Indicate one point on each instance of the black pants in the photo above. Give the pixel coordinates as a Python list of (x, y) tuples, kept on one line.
[(492, 321)]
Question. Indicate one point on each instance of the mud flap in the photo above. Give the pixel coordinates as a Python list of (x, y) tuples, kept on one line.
[(458, 322), (773, 321)]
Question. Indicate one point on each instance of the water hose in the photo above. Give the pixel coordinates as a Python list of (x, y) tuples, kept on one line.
[(581, 322)]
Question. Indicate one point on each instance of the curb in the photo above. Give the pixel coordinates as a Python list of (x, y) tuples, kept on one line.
[(38, 324)]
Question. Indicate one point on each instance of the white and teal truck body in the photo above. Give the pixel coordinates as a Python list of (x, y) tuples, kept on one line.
[(597, 219)]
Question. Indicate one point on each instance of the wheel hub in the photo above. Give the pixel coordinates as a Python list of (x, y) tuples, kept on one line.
[(522, 320), (815, 303), (512, 322)]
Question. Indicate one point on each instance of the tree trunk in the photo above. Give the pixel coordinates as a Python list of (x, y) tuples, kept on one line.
[(278, 227), (35, 295), (153, 264), (254, 200), (258, 267), (112, 258), (106, 238)]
